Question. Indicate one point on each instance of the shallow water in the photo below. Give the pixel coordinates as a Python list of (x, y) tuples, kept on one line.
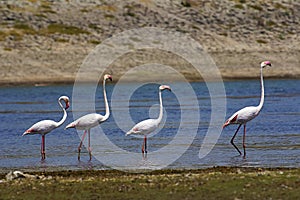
[(273, 138)]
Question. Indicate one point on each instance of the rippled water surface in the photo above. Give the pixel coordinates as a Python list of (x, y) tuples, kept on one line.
[(273, 138)]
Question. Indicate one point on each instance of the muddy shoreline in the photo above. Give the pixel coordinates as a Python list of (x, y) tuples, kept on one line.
[(210, 183)]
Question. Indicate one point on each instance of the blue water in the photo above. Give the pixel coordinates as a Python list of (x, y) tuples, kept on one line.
[(272, 140)]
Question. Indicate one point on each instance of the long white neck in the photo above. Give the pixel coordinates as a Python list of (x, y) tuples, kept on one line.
[(105, 102), (63, 119), (158, 120), (262, 98)]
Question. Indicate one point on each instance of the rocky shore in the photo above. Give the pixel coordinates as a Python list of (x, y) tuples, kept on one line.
[(47, 41)]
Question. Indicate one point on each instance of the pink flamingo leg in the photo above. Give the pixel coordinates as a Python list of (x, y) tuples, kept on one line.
[(244, 138), (145, 141), (144, 147), (89, 147), (43, 148), (231, 141), (80, 145)]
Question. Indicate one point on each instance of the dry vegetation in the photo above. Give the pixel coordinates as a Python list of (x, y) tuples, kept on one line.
[(46, 41)]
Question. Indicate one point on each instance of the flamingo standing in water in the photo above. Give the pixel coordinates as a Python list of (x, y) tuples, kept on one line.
[(45, 126), (89, 121), (149, 125), (248, 113)]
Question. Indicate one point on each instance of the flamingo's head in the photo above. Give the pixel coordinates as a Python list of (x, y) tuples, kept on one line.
[(265, 63), (66, 100), (226, 124), (163, 87), (231, 120), (107, 76)]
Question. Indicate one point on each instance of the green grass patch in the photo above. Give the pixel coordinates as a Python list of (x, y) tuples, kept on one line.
[(63, 29), (84, 10), (61, 40), (239, 6), (239, 1), (256, 7), (213, 183), (260, 41), (186, 3), (2, 35), (45, 6), (40, 15), (95, 42), (94, 26), (7, 49), (129, 13), (109, 16), (281, 37), (270, 23), (24, 28), (16, 35), (279, 6)]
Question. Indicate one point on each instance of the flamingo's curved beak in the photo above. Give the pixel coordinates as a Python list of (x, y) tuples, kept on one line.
[(225, 124)]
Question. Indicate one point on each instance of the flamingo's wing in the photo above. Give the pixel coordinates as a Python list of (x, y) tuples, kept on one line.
[(242, 116), (86, 121), (41, 127), (144, 127), (246, 114)]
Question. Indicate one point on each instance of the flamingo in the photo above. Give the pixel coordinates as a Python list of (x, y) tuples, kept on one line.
[(246, 114), (45, 126), (149, 125), (91, 120)]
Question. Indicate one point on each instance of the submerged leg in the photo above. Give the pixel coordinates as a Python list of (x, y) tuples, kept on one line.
[(231, 141), (244, 138), (80, 145), (89, 145), (43, 153), (145, 140), (144, 147)]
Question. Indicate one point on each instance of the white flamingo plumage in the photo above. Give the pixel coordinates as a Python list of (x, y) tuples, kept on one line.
[(246, 114), (149, 125), (89, 121), (45, 126)]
